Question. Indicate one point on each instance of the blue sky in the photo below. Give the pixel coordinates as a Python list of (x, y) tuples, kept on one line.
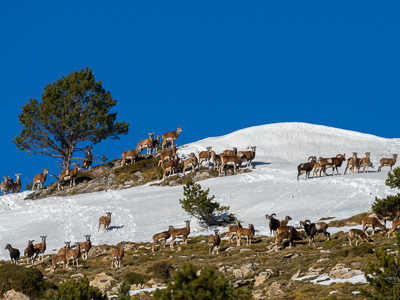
[(212, 67)]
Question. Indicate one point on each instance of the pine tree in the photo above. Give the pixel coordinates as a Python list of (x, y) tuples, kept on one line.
[(187, 285), (383, 276), (123, 291), (390, 204), (197, 204), (73, 110)]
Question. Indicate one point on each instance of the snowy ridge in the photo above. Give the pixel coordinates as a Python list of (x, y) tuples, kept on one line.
[(140, 212), (293, 142)]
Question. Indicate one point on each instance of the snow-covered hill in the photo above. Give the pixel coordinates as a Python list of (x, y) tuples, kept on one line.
[(142, 211)]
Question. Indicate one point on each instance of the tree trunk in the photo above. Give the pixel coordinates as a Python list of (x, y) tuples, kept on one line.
[(67, 159)]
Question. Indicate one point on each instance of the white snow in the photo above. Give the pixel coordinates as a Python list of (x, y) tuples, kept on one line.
[(140, 212), (326, 280)]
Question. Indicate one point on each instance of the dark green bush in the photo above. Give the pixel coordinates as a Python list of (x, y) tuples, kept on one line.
[(136, 278), (161, 270), (27, 281), (78, 290), (207, 286)]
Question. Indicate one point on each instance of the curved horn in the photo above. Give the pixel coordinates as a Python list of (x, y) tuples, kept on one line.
[(301, 223), (307, 221), (267, 217), (273, 216)]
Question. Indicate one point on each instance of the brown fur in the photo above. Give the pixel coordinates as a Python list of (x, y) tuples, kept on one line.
[(373, 223), (205, 156), (40, 179), (117, 255), (171, 136), (132, 154), (41, 247), (358, 234), (290, 235), (180, 232), (395, 226), (191, 161), (165, 235), (248, 233), (233, 230), (105, 221), (213, 242), (146, 144), (85, 247), (70, 175), (388, 162)]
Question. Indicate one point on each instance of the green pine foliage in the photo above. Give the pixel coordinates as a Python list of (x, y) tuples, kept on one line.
[(197, 204), (390, 204), (207, 286), (393, 179), (27, 281), (78, 290), (73, 110), (123, 291), (383, 276)]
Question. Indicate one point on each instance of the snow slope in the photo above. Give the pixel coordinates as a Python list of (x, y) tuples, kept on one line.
[(142, 211)]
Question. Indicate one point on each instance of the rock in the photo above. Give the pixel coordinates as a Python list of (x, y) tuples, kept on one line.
[(244, 250), (102, 281), (230, 249), (314, 272), (247, 269), (356, 263), (322, 259), (296, 275), (334, 292), (202, 241), (289, 255), (141, 294), (237, 273), (275, 289), (325, 251), (351, 274), (338, 271), (258, 295), (242, 282), (261, 278), (13, 295), (79, 275)]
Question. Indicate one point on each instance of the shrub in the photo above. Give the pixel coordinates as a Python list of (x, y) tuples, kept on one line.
[(207, 286), (136, 278), (27, 281), (121, 178), (123, 291), (390, 204), (383, 276), (197, 204), (78, 290), (161, 270)]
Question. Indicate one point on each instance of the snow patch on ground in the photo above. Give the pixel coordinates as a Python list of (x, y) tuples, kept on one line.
[(140, 212)]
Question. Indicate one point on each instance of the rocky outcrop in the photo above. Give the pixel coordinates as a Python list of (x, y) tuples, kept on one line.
[(275, 289), (102, 281), (13, 295)]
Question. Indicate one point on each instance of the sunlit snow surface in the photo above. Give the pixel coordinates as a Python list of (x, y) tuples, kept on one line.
[(140, 212)]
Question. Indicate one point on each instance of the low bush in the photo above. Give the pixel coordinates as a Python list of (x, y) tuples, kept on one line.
[(161, 270), (136, 278), (78, 289), (27, 281)]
